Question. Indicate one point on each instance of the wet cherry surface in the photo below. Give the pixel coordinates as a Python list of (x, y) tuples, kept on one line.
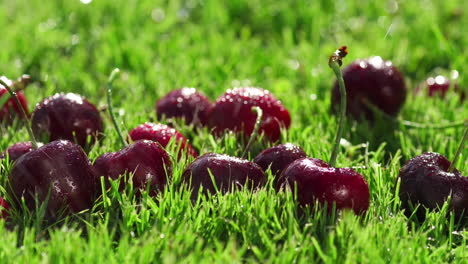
[(371, 81), (315, 180), (67, 116), (278, 157), (233, 111), (60, 169), (162, 134), (425, 180), (146, 160), (185, 103), (225, 171), (18, 149)]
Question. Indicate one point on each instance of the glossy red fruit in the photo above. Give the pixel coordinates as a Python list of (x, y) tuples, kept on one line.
[(425, 181), (226, 171), (10, 109), (371, 81), (61, 168), (315, 180), (277, 158), (233, 111), (18, 149), (185, 103), (67, 116), (4, 208), (146, 160), (162, 134), (439, 86)]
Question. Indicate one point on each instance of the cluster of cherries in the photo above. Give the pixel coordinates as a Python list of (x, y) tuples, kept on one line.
[(61, 174)]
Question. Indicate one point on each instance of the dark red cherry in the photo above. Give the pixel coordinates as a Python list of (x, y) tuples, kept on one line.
[(439, 86), (10, 109), (185, 103), (67, 116), (233, 111), (146, 160), (226, 171), (18, 149), (425, 181), (60, 168), (277, 158), (371, 81), (315, 180), (4, 208), (162, 134)]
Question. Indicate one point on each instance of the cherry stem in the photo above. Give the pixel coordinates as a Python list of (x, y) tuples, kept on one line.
[(254, 134), (17, 86), (25, 116), (459, 150), (336, 147), (411, 124), (110, 81)]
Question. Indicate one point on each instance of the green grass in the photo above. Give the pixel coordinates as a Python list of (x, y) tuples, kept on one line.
[(282, 46)]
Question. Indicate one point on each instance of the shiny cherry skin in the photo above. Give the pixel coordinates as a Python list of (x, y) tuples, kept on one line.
[(147, 161), (61, 168), (162, 134), (233, 111), (227, 172), (315, 180), (18, 149), (278, 157), (425, 180), (67, 116), (371, 81), (185, 103)]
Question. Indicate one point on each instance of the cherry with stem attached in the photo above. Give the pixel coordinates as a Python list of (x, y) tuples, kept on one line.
[(316, 180), (255, 130), (17, 86), (335, 62), (25, 116), (58, 173)]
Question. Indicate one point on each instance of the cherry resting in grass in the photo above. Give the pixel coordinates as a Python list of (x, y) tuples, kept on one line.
[(8, 108), (162, 134), (18, 149), (225, 171), (217, 172), (185, 103), (430, 179), (61, 168), (316, 180), (67, 116), (146, 160), (439, 86), (371, 81), (277, 158), (58, 173), (232, 111), (4, 208)]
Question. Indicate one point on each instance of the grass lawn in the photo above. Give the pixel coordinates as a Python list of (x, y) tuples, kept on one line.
[(282, 46)]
